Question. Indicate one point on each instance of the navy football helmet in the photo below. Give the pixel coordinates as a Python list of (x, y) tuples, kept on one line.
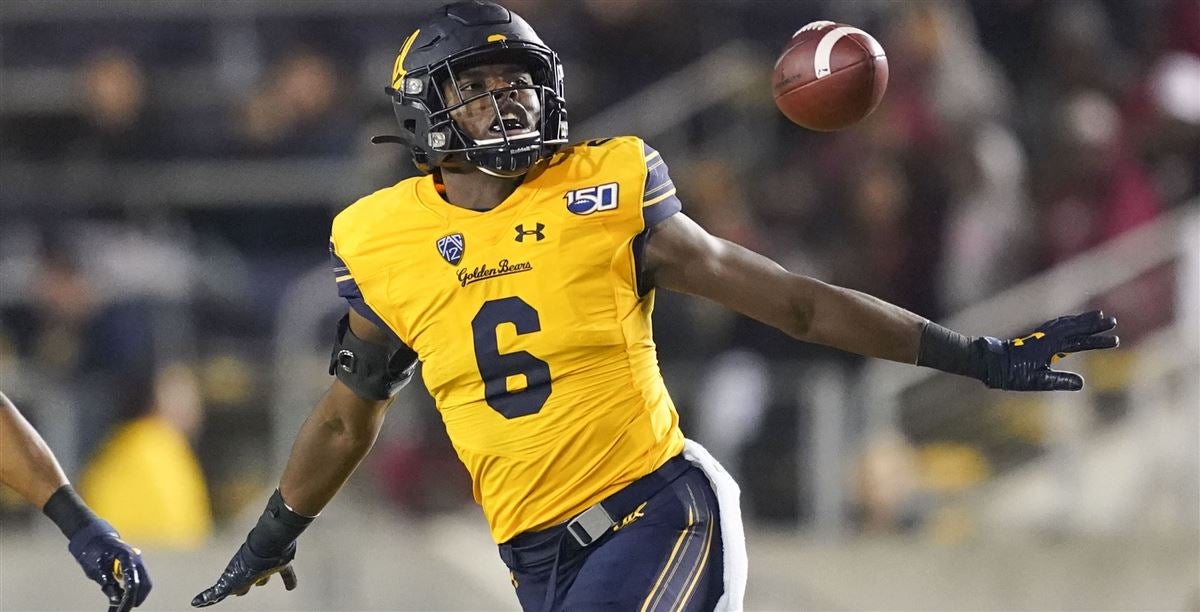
[(459, 36)]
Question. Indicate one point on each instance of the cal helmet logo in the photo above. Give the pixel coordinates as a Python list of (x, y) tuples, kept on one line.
[(592, 199), (452, 247)]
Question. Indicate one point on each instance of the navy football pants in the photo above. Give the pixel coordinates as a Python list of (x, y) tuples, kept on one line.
[(665, 556)]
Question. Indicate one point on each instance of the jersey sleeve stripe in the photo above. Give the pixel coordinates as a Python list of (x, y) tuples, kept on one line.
[(339, 266), (651, 192), (658, 198), (658, 177), (344, 278), (657, 213), (658, 194)]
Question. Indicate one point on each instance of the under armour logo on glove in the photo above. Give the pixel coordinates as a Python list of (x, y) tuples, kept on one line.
[(1023, 364), (522, 232), (116, 566)]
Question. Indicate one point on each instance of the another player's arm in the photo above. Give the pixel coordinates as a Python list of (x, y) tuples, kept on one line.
[(683, 257), (335, 437), (29, 467), (26, 463)]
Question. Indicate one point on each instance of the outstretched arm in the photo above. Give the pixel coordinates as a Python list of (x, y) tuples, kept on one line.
[(28, 466), (26, 463), (683, 257), (332, 442)]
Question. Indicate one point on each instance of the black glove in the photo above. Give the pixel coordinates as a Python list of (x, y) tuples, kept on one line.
[(1020, 364), (268, 549), (114, 565), (1023, 364), (245, 570)]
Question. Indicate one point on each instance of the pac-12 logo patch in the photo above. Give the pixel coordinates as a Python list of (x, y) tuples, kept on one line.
[(452, 247), (592, 199)]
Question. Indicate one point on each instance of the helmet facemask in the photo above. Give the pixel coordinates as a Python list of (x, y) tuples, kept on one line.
[(424, 112)]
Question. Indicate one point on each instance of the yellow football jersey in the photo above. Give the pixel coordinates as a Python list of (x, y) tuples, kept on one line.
[(531, 324)]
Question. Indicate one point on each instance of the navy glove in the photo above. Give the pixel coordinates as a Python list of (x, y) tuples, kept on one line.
[(1023, 364), (114, 565), (247, 569), (268, 549)]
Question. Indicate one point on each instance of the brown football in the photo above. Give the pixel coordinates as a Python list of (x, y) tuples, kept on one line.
[(829, 76)]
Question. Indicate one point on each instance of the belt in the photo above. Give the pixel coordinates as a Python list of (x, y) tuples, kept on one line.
[(589, 526)]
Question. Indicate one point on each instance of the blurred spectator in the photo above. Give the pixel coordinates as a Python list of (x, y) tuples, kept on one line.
[(1162, 112), (883, 261), (68, 302), (107, 117), (78, 338), (1168, 134), (988, 245), (1093, 190), (115, 107), (941, 79), (146, 479), (298, 111), (887, 483)]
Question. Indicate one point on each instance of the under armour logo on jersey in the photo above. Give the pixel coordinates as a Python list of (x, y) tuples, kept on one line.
[(592, 199), (452, 248), (522, 232)]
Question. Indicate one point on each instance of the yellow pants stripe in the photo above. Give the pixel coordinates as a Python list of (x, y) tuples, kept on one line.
[(699, 570), (673, 589), (654, 595)]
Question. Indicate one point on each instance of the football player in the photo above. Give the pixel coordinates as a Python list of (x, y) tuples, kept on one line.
[(520, 271), (28, 466)]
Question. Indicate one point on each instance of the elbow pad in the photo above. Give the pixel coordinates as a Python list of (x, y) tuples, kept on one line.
[(372, 371)]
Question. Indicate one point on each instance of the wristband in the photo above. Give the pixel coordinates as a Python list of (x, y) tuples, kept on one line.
[(277, 528), (68, 511), (950, 351)]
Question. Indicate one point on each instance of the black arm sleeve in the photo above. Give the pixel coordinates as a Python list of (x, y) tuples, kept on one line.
[(372, 371)]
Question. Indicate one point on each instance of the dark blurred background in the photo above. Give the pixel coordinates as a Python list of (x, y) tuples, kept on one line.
[(169, 169)]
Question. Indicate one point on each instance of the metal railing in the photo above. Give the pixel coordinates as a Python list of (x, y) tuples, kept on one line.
[(1069, 285), (1164, 391)]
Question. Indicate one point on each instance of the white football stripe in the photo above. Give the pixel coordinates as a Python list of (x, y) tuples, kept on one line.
[(813, 26), (825, 47)]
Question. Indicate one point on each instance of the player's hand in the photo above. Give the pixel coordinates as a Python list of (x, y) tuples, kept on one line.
[(116, 566), (269, 549), (1023, 364), (247, 569)]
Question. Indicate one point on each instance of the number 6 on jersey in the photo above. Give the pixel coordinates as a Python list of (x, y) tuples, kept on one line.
[(495, 367)]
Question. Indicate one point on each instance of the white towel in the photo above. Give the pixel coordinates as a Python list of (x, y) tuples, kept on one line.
[(733, 536)]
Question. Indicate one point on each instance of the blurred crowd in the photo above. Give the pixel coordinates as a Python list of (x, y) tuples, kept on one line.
[(1014, 135)]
